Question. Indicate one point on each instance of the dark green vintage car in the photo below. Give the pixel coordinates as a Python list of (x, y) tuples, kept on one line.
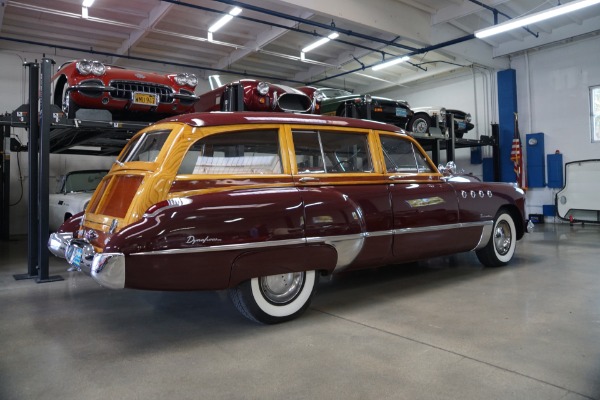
[(344, 103)]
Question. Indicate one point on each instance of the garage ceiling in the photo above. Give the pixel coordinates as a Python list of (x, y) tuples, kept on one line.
[(265, 40)]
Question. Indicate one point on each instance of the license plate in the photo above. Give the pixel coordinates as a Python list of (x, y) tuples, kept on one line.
[(75, 258), (401, 112), (145, 98), (462, 125)]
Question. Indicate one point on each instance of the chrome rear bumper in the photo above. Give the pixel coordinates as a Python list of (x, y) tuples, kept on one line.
[(108, 269)]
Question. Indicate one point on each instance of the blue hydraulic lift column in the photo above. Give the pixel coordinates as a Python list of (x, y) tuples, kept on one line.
[(507, 107)]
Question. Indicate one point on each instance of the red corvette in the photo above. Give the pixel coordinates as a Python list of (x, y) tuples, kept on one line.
[(253, 95), (127, 94)]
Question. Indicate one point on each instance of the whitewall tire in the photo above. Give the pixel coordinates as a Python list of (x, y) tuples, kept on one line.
[(275, 298), (501, 247)]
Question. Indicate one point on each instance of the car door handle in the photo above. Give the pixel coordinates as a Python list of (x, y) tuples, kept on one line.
[(306, 179), (394, 177)]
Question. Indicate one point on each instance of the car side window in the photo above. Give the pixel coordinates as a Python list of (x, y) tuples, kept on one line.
[(146, 147), (244, 152), (331, 152), (402, 156)]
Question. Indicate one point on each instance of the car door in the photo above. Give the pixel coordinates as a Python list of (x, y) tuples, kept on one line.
[(424, 207), (346, 201)]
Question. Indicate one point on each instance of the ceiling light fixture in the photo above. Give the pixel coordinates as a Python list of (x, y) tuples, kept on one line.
[(394, 61), (87, 3), (224, 20), (320, 42), (533, 18)]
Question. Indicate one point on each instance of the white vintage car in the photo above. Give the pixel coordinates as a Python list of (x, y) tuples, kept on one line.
[(425, 118), (74, 193)]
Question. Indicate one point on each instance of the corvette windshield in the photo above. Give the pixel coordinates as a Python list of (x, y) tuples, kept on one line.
[(330, 93)]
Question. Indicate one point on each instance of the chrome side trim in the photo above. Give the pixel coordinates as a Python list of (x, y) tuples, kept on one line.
[(347, 247), (486, 234), (444, 227), (226, 247)]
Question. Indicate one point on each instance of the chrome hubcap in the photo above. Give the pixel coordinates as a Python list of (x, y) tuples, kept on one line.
[(420, 126), (502, 238), (65, 102), (282, 288)]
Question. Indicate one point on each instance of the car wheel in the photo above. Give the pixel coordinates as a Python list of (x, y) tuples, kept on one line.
[(419, 124), (275, 298), (67, 105), (501, 246)]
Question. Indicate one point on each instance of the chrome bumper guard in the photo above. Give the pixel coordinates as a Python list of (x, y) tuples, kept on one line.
[(530, 226), (108, 269)]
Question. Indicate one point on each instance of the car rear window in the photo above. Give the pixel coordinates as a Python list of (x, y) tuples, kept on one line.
[(242, 152), (145, 147)]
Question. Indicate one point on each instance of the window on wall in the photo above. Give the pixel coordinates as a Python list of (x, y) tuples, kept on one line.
[(595, 112)]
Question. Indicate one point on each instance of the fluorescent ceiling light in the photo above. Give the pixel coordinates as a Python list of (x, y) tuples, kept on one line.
[(87, 3), (533, 18), (321, 42), (224, 19), (390, 63)]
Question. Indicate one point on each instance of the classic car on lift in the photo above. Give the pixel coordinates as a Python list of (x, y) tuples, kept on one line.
[(254, 95), (425, 118), (73, 195), (263, 204), (343, 103), (127, 94)]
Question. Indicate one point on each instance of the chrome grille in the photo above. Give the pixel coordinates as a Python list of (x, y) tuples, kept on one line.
[(126, 88)]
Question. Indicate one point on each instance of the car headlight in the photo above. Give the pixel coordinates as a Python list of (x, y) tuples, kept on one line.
[(192, 80), (86, 67), (98, 68), (262, 88), (468, 117), (443, 113), (181, 79), (185, 79)]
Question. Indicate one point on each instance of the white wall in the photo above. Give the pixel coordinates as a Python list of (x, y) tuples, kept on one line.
[(553, 97)]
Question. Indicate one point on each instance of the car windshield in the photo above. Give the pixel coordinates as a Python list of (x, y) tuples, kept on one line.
[(81, 181), (330, 93)]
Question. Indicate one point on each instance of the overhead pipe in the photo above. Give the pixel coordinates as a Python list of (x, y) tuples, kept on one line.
[(294, 18), (418, 51)]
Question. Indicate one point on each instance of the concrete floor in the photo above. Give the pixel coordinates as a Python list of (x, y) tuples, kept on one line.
[(442, 329)]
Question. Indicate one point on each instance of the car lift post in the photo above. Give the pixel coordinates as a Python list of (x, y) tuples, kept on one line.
[(32, 147), (5, 183), (44, 175), (39, 163)]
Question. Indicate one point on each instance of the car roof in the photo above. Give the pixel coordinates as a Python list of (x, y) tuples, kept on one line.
[(248, 117)]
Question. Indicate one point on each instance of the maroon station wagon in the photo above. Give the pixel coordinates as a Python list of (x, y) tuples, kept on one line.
[(263, 204)]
